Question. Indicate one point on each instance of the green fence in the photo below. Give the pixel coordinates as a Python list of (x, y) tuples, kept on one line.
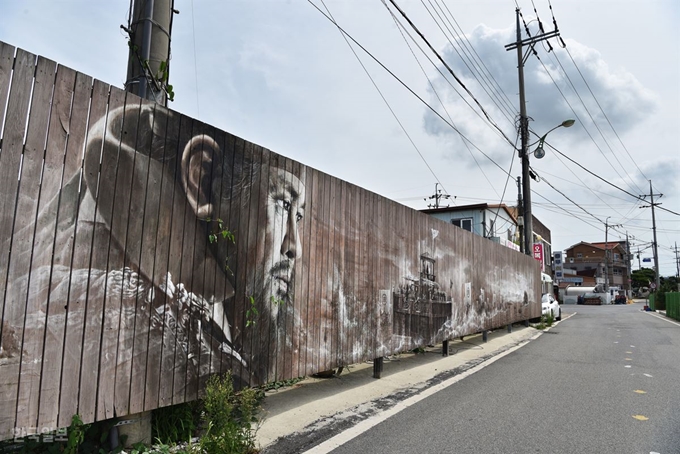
[(673, 305)]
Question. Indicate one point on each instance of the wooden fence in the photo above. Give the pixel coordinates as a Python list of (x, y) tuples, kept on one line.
[(142, 250)]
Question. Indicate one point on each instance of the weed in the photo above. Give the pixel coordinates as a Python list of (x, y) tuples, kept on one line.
[(174, 424), (280, 384), (229, 417)]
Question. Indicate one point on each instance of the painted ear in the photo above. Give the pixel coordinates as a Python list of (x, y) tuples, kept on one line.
[(200, 166)]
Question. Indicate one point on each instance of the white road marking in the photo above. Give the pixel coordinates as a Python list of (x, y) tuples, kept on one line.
[(353, 432), (627, 367), (647, 375), (660, 317)]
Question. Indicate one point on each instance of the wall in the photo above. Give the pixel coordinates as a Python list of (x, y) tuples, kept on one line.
[(142, 251)]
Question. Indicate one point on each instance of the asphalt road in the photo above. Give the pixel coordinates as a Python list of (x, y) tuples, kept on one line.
[(605, 380)]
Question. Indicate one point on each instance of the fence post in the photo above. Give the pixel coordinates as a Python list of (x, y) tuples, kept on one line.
[(377, 367)]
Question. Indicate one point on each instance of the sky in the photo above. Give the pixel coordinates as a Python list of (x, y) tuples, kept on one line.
[(280, 74)]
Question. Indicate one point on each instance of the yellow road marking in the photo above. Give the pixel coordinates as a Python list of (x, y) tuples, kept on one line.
[(629, 353), (639, 391), (640, 417), (629, 359)]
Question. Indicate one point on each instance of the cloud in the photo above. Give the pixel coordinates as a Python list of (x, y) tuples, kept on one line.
[(549, 94)]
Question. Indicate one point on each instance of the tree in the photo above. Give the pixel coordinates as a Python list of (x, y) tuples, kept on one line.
[(642, 277)]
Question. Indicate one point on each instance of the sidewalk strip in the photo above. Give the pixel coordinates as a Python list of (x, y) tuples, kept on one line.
[(349, 434)]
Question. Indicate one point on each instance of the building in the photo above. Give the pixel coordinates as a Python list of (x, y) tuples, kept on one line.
[(588, 261), (498, 222)]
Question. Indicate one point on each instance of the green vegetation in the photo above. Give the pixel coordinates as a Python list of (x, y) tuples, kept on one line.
[(224, 422), (546, 321), (229, 417)]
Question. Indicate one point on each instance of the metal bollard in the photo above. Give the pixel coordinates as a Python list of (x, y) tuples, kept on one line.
[(509, 327), (485, 335), (445, 348)]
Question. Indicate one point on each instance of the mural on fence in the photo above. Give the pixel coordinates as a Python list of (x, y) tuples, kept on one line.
[(142, 251)]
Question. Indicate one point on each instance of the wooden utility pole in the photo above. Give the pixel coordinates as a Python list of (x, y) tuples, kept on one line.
[(149, 28)]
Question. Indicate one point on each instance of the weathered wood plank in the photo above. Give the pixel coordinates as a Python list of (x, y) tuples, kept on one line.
[(306, 276), (123, 280), (86, 292), (227, 213), (325, 294), (106, 276), (10, 161), (157, 232), (263, 253), (173, 358), (184, 257), (6, 63), (18, 317), (67, 217), (141, 233), (49, 277)]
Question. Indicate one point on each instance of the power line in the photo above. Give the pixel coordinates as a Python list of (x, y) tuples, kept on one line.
[(485, 84), (384, 99), (394, 3), (406, 86), (434, 90)]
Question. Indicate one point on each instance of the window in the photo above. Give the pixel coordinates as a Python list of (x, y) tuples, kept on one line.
[(465, 224), (616, 256), (579, 255)]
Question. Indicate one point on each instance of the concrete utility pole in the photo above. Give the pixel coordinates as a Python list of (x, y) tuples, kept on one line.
[(677, 264), (656, 251), (606, 251), (629, 270), (436, 196), (524, 125), (520, 215), (149, 58)]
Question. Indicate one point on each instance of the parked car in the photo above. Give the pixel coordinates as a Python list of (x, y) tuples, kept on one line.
[(550, 306)]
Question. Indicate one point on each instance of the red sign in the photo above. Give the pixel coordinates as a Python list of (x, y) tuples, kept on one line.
[(538, 253)]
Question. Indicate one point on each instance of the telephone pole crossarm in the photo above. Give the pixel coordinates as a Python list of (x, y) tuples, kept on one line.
[(524, 129)]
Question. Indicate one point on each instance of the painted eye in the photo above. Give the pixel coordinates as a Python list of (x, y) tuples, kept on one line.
[(286, 205), (298, 217)]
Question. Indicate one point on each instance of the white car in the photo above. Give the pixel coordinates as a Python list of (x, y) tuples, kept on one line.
[(550, 305)]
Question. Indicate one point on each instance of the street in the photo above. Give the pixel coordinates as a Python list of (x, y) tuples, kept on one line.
[(603, 380)]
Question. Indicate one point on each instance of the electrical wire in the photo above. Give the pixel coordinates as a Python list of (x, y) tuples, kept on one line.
[(484, 85), (383, 96), (406, 86), (422, 36), (499, 90), (434, 90)]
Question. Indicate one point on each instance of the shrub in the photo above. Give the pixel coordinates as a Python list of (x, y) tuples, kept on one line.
[(230, 418)]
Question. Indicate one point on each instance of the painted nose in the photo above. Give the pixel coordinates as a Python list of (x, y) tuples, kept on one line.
[(291, 241)]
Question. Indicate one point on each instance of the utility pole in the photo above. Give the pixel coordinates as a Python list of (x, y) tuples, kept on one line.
[(149, 28), (530, 42), (606, 252), (629, 270), (436, 196), (677, 264), (520, 216), (656, 251)]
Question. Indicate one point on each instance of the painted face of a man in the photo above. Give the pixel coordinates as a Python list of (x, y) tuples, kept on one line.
[(285, 206)]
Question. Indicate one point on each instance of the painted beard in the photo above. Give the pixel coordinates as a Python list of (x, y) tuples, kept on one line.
[(276, 290)]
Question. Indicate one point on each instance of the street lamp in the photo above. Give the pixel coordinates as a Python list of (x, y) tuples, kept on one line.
[(539, 153)]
